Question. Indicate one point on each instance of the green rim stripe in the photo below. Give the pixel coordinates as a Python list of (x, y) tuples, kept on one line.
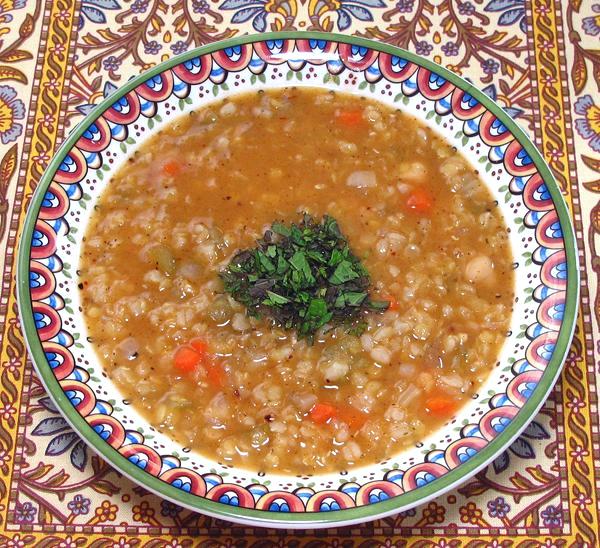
[(303, 519)]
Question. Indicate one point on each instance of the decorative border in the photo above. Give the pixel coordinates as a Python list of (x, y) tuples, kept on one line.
[(37, 143), (534, 374), (579, 382)]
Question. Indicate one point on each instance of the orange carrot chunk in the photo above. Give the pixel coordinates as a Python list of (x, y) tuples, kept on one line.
[(441, 406), (350, 118), (322, 412), (186, 359), (354, 418), (215, 374), (420, 201), (171, 168)]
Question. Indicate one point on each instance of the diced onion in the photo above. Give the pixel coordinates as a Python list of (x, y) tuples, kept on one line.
[(362, 179)]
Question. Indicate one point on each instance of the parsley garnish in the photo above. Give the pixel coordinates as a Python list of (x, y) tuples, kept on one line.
[(303, 276)]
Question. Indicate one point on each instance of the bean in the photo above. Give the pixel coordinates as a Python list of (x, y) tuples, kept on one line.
[(480, 270)]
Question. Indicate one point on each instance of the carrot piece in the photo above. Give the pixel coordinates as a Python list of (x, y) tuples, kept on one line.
[(420, 201), (354, 418), (393, 303), (171, 168), (441, 406), (199, 346), (322, 412), (215, 374), (350, 118), (186, 359)]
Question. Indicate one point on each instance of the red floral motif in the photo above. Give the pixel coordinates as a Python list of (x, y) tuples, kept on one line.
[(57, 49), (12, 365), (548, 80), (5, 458), (552, 116), (63, 15), (541, 8), (578, 453), (554, 154), (576, 405), (42, 158), (16, 542), (582, 501), (7, 411), (68, 543), (122, 543), (47, 121), (52, 85)]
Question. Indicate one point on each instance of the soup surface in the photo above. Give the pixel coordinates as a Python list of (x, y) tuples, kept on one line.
[(242, 390)]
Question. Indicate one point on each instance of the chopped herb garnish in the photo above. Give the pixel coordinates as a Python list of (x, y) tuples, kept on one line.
[(303, 276)]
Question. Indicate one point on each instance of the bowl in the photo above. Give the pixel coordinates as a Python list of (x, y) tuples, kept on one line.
[(541, 238)]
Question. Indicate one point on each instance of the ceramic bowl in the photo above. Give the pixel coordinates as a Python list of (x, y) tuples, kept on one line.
[(541, 237)]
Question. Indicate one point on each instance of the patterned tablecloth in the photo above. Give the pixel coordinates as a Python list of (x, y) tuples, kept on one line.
[(538, 58)]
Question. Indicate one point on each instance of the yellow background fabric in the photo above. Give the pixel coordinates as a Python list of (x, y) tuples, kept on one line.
[(540, 59)]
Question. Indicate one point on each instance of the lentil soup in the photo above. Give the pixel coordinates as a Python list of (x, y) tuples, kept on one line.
[(244, 390)]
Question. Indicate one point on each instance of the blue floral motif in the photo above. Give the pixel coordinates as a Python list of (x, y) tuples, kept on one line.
[(80, 505), (498, 508), (200, 6), (490, 66), (179, 47), (512, 11), (25, 513), (248, 9), (588, 126), (111, 63), (63, 437), (357, 9), (152, 47), (450, 49), (466, 8), (552, 516), (258, 10), (405, 6), (11, 110), (93, 10), (591, 25), (521, 447), (424, 47), (139, 6)]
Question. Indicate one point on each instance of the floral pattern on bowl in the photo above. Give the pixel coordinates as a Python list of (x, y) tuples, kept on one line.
[(540, 232)]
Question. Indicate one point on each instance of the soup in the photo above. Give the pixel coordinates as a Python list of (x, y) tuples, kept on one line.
[(243, 386)]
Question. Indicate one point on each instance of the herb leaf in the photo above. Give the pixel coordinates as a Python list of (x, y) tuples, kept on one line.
[(276, 299), (303, 276), (344, 272)]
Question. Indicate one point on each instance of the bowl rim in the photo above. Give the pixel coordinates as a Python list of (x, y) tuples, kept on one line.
[(301, 520)]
